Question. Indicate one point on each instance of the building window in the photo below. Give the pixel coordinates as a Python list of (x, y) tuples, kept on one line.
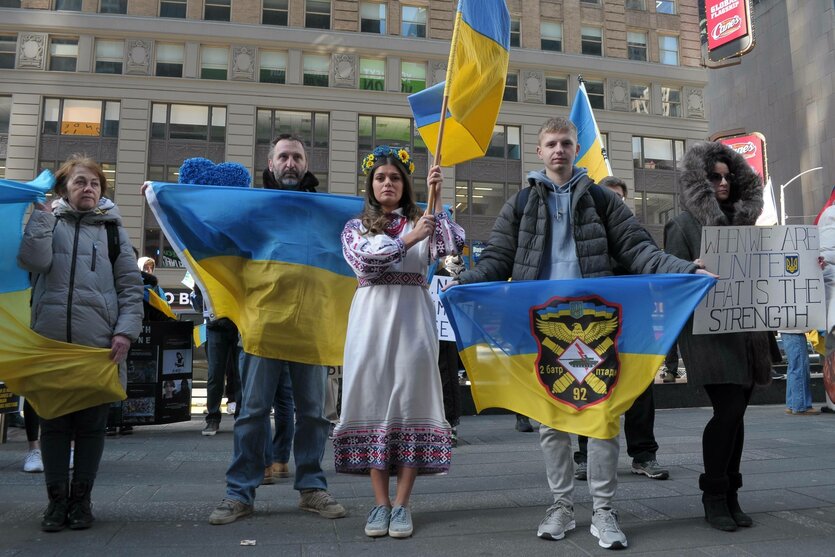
[(317, 14), (550, 36), (92, 118), (214, 62), (505, 143), (311, 127), (372, 18), (273, 68), (397, 132), (63, 54), (9, 3), (665, 6), (671, 102), (113, 7), (315, 69), (109, 56), (591, 41), (556, 90), (274, 12), (68, 5), (515, 31), (169, 60), (596, 93), (636, 46), (511, 87), (5, 114), (217, 10), (595, 2), (639, 98), (172, 8), (657, 154), (636, 5), (372, 74), (188, 122), (412, 77), (668, 49), (413, 21), (8, 47)]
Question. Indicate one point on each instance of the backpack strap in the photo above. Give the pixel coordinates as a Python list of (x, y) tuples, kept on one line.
[(113, 245), (595, 191)]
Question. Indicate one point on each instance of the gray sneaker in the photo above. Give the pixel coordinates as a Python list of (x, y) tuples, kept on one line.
[(378, 521), (559, 519), (400, 525), (650, 469), (211, 428), (604, 527), (228, 511), (322, 502), (581, 471)]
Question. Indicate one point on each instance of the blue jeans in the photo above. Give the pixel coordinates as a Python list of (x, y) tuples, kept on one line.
[(278, 448), (260, 378), (798, 392), (221, 352)]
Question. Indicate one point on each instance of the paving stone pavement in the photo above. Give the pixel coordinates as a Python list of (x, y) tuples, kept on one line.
[(157, 487)]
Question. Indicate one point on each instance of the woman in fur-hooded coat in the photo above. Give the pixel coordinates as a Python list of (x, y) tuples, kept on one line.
[(718, 188)]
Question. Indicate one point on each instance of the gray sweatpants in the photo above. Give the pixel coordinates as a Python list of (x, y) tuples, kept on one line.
[(559, 465)]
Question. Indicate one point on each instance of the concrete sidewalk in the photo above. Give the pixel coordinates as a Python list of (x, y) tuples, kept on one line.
[(157, 487)]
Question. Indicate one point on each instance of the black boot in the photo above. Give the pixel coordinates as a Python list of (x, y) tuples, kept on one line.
[(715, 502), (55, 517), (741, 519), (80, 514)]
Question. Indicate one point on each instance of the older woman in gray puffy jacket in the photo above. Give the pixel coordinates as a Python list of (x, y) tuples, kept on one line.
[(79, 296)]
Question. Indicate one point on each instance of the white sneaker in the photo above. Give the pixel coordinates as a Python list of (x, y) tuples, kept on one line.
[(33, 461), (72, 458), (231, 407)]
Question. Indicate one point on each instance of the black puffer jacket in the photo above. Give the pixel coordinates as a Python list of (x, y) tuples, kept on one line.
[(517, 242), (738, 358)]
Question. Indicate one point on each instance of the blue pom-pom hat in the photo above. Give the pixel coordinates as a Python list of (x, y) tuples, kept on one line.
[(204, 172)]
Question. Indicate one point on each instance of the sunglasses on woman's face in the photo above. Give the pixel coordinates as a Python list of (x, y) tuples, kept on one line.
[(716, 178)]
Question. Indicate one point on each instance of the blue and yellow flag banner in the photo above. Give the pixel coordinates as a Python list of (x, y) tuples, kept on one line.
[(475, 81), (153, 299), (592, 155), (571, 354), (270, 261), (56, 377)]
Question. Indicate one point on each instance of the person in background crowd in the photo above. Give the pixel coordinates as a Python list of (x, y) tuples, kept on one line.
[(391, 381), (798, 374), (81, 295), (639, 420), (448, 361), (561, 214), (719, 188), (826, 225)]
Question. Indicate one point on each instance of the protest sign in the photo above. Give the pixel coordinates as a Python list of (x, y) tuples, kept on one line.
[(9, 402), (769, 279), (445, 331)]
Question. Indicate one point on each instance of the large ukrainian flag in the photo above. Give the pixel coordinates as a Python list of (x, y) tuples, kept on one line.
[(572, 354), (271, 261), (56, 377), (475, 80), (592, 155)]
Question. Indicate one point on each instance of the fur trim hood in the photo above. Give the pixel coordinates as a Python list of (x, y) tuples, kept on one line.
[(697, 196)]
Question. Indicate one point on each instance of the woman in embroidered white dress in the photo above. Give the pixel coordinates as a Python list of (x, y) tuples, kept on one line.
[(392, 417)]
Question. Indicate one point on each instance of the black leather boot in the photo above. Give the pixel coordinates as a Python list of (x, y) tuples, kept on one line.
[(80, 513), (741, 519), (55, 516), (715, 501)]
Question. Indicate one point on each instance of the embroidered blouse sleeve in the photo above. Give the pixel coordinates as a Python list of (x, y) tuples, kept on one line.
[(370, 255), (448, 238)]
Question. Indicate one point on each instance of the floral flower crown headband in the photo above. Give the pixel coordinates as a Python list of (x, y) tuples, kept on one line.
[(384, 151)]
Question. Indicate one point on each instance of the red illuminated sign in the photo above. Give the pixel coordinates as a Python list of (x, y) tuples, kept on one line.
[(752, 149), (726, 20)]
